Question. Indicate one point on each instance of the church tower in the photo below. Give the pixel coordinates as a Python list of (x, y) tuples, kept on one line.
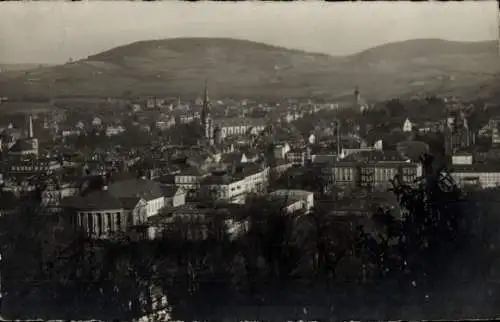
[(357, 96), (206, 119)]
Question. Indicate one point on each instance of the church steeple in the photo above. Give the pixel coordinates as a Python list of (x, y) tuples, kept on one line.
[(356, 95), (206, 120), (205, 111)]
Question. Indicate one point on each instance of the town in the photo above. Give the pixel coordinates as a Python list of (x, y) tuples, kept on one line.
[(87, 178)]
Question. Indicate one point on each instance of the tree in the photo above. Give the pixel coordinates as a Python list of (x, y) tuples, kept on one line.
[(239, 274), (434, 225)]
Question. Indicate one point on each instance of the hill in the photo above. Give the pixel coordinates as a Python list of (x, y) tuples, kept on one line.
[(240, 68), (20, 67)]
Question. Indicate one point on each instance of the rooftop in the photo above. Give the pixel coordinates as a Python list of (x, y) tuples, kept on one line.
[(142, 188), (476, 168), (99, 200), (375, 156)]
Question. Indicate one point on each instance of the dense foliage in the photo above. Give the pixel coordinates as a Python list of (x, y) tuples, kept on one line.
[(419, 249)]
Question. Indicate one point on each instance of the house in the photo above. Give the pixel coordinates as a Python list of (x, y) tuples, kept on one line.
[(311, 139), (31, 166), (112, 130), (174, 197), (24, 147), (295, 200), (67, 132), (372, 168), (223, 187), (136, 108), (461, 158), (96, 122), (234, 186), (195, 221), (21, 187), (203, 160), (485, 175), (281, 167), (188, 179), (165, 123), (407, 125), (9, 137), (280, 150), (297, 156), (239, 126), (55, 192)]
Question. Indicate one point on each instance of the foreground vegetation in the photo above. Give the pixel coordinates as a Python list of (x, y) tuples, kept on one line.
[(316, 260)]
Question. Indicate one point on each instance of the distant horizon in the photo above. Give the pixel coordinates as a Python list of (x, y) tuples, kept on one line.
[(229, 38)]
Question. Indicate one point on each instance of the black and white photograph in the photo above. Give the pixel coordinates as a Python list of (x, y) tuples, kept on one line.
[(249, 161)]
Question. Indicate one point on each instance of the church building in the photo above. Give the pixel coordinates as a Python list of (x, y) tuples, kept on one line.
[(26, 146)]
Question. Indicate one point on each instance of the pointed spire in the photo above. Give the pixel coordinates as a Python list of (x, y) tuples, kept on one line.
[(205, 109)]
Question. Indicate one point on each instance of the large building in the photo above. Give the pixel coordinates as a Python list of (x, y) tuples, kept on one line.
[(115, 208), (235, 185), (26, 146), (100, 215), (228, 127), (374, 168), (466, 171), (148, 190), (457, 132), (294, 200)]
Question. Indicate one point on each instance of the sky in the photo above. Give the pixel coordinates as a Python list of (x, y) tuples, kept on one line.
[(53, 32)]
